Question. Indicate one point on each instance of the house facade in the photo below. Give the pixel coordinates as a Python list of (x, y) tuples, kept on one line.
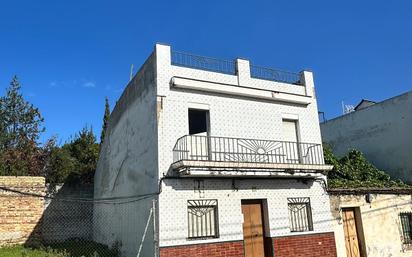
[(229, 156), (381, 131), (372, 222)]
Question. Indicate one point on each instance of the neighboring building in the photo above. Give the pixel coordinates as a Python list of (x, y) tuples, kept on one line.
[(372, 222), (363, 104), (382, 131), (232, 154)]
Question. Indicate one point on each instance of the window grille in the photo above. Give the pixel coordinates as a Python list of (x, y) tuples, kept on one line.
[(406, 222), (300, 214), (202, 219)]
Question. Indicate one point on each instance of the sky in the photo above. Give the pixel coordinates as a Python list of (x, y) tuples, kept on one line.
[(70, 55)]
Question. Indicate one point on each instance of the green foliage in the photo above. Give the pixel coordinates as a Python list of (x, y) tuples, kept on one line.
[(61, 164), (76, 160), (85, 150), (21, 122), (21, 125), (20, 128), (71, 248), (353, 171), (106, 117)]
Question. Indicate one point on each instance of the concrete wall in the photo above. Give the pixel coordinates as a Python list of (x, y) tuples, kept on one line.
[(382, 132), (380, 222), (239, 117), (128, 166), (20, 215), (69, 215)]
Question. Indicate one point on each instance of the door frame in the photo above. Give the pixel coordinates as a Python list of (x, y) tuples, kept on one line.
[(267, 246), (359, 228)]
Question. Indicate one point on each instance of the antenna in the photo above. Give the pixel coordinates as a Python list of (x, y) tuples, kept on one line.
[(131, 72), (347, 108)]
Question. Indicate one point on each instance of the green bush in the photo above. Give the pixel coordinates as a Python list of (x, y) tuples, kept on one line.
[(353, 171)]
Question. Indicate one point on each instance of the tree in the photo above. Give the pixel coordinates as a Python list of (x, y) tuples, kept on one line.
[(20, 127), (75, 161), (60, 165), (85, 151), (353, 170), (105, 120), (21, 122)]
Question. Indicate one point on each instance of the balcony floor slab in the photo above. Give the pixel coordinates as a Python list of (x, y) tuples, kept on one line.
[(207, 168)]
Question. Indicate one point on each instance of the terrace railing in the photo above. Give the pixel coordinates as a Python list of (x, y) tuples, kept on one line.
[(225, 149), (275, 75), (203, 63)]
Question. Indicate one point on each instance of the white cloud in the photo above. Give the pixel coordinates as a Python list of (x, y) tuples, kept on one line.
[(53, 84), (89, 84)]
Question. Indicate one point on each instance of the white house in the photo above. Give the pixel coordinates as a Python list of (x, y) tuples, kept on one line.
[(225, 155)]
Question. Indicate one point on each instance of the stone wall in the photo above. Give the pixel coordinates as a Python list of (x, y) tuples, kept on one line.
[(20, 215), (30, 218)]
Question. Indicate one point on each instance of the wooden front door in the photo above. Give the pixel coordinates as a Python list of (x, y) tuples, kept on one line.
[(253, 232), (351, 233)]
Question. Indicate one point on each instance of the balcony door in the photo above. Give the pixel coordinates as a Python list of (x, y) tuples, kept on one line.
[(290, 135), (199, 131)]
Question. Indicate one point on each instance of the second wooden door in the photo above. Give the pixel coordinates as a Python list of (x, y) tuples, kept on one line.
[(351, 233)]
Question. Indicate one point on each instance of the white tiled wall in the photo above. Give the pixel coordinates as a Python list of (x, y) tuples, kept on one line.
[(230, 117), (176, 193)]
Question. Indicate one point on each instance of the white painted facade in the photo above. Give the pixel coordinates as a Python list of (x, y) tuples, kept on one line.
[(234, 112), (239, 107)]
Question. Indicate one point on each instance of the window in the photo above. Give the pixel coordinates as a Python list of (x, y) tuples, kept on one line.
[(406, 223), (202, 219), (198, 142), (198, 122), (300, 214), (290, 130), (291, 138)]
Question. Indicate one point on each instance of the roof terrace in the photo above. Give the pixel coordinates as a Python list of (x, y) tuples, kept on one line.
[(229, 67)]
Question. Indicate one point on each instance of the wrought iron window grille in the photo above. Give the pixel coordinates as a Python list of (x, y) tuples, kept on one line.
[(406, 223), (202, 219), (300, 214)]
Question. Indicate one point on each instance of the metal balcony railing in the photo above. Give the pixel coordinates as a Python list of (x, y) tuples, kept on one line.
[(203, 63), (225, 149), (275, 75)]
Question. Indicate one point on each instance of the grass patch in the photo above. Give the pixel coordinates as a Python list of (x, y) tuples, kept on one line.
[(67, 249)]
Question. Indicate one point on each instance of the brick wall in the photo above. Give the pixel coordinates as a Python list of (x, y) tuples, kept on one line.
[(20, 214), (224, 249), (313, 245)]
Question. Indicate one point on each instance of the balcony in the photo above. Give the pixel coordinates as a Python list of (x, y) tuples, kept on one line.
[(203, 155)]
